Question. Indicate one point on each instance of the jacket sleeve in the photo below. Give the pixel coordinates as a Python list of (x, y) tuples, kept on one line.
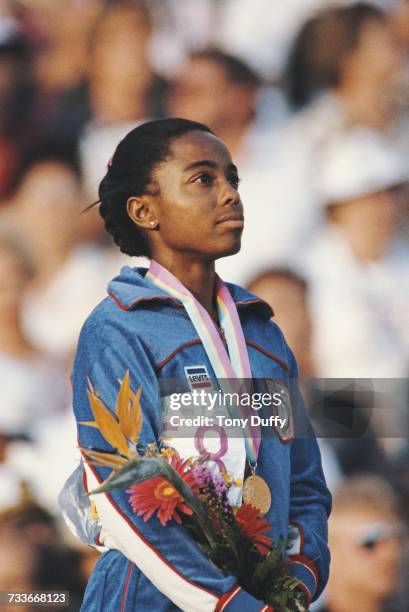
[(167, 556), (310, 500)]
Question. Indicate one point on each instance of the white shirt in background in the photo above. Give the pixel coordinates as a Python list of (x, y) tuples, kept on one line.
[(360, 310), (53, 318)]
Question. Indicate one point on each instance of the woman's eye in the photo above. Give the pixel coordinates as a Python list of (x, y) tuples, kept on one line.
[(204, 178), (234, 181)]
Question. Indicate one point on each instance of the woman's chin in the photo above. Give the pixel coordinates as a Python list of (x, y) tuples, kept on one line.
[(230, 249)]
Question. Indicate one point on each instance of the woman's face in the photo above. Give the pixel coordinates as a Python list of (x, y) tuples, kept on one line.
[(377, 60), (48, 202), (198, 207), (347, 530), (122, 39)]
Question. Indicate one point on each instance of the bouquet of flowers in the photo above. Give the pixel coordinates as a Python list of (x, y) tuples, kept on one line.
[(159, 482)]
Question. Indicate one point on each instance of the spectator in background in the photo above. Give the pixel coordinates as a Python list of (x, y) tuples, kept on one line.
[(180, 27), (286, 292), (33, 386), (261, 33), (288, 295), (16, 98), (34, 556), (357, 268), (335, 77), (34, 393), (17, 563), (220, 91), (365, 536), (351, 55), (60, 64), (119, 99), (400, 25), (68, 276), (400, 21), (345, 68)]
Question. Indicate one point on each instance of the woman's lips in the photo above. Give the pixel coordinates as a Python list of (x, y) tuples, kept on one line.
[(232, 220)]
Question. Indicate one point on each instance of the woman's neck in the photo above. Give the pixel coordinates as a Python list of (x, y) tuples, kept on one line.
[(364, 104), (196, 275), (112, 105)]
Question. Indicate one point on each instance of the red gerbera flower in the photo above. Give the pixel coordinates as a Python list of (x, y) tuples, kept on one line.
[(160, 496), (253, 527)]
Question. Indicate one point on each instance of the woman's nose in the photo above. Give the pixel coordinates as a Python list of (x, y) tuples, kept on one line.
[(229, 194)]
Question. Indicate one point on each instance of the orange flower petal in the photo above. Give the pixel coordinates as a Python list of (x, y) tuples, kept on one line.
[(108, 424)]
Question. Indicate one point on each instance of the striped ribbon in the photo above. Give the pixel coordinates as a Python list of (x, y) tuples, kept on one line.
[(233, 365)]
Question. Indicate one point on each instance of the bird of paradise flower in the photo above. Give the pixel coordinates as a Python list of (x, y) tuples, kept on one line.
[(121, 430)]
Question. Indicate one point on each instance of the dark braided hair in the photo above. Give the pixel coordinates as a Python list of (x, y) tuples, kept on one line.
[(130, 172)]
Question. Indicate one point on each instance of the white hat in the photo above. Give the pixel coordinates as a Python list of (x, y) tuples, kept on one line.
[(355, 163)]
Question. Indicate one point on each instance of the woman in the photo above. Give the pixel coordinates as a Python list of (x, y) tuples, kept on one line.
[(32, 382), (346, 80), (170, 193)]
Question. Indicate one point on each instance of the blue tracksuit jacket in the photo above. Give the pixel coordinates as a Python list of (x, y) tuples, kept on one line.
[(149, 567)]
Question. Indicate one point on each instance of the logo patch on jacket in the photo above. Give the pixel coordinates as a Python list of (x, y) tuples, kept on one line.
[(198, 377), (283, 410)]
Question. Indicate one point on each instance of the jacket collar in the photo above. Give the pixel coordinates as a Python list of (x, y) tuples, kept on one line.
[(130, 289)]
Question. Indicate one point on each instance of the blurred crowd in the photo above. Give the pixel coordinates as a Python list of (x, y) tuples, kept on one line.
[(312, 98)]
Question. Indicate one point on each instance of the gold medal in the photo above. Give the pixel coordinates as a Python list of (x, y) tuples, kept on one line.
[(257, 493)]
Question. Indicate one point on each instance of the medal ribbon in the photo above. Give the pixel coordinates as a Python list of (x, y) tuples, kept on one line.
[(230, 365)]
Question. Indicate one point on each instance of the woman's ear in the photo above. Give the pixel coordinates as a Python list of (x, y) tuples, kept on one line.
[(142, 212)]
